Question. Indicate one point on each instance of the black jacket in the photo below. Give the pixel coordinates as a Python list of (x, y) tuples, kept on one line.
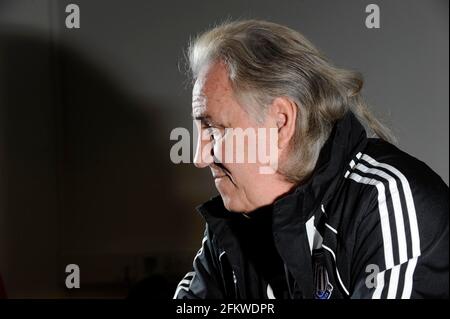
[(371, 222)]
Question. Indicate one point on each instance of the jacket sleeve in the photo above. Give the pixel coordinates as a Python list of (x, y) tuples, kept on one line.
[(204, 281), (401, 243)]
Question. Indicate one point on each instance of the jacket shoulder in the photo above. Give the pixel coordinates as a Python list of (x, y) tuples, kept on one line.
[(385, 177), (404, 167), (406, 189)]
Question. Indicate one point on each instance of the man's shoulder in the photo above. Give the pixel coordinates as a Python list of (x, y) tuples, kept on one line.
[(394, 176), (401, 166)]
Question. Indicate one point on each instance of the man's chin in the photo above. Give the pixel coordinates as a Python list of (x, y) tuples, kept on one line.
[(229, 195), (231, 205)]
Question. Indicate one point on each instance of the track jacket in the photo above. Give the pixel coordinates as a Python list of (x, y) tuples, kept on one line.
[(371, 222)]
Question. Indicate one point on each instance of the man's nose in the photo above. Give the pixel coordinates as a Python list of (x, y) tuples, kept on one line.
[(203, 153)]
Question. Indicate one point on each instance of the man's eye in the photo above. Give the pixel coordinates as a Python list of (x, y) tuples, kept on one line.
[(206, 126)]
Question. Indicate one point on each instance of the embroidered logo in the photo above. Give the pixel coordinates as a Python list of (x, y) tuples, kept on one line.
[(323, 287)]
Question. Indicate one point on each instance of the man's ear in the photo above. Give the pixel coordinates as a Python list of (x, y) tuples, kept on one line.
[(284, 111)]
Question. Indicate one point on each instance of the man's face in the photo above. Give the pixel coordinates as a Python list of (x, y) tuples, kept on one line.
[(216, 110)]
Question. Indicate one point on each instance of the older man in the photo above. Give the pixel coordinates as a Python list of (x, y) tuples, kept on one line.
[(341, 215)]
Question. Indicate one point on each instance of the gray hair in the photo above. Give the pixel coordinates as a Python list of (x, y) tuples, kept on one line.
[(266, 60)]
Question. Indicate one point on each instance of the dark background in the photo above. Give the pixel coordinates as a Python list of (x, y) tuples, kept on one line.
[(86, 114)]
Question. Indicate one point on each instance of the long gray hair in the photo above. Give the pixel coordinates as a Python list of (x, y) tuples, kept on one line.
[(266, 60)]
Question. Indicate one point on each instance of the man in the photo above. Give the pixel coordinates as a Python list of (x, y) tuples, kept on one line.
[(341, 215)]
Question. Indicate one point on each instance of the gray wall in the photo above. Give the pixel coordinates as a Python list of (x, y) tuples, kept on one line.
[(85, 118)]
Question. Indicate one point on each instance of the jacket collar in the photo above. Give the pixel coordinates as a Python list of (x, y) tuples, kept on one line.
[(347, 138)]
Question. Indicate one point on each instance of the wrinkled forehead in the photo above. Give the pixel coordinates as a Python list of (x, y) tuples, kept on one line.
[(212, 87)]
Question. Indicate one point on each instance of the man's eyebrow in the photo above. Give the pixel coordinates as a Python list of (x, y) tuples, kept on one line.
[(205, 118), (201, 117)]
